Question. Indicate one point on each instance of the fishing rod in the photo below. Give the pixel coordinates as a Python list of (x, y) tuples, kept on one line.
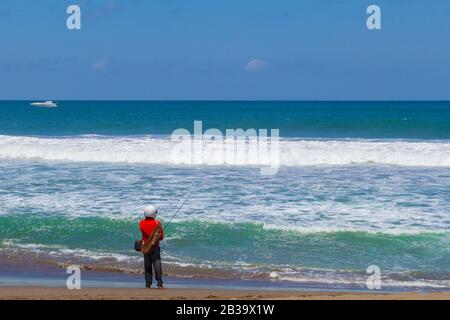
[(181, 206)]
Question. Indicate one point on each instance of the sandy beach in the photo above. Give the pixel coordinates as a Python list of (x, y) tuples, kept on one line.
[(42, 293)]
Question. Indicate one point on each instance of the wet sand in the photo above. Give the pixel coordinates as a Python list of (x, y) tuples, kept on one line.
[(34, 279), (43, 293)]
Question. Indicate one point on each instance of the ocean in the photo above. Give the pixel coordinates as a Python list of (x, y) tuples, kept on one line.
[(359, 184)]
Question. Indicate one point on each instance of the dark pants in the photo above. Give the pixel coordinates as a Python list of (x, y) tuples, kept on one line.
[(152, 261)]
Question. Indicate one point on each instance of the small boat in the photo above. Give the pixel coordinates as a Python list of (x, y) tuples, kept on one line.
[(46, 104)]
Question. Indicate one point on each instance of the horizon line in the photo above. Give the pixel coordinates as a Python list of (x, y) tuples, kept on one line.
[(225, 100)]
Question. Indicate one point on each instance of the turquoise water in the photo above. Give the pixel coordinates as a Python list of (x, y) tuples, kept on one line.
[(359, 184), (406, 120)]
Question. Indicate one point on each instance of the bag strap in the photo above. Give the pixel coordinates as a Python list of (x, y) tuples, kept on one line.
[(150, 237)]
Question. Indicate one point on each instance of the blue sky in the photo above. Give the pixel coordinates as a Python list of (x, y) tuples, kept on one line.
[(228, 49)]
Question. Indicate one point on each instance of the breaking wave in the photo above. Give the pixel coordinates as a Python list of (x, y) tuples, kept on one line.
[(292, 152), (197, 248)]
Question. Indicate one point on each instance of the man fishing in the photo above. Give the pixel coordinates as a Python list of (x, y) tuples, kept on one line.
[(152, 233)]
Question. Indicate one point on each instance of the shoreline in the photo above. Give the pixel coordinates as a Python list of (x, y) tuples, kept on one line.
[(43, 293), (31, 279)]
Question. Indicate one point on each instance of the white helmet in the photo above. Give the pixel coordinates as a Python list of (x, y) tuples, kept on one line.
[(150, 211)]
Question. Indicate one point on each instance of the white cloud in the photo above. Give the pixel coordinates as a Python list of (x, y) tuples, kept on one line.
[(256, 65), (100, 65)]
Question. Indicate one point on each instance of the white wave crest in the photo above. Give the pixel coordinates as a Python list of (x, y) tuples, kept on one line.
[(144, 150)]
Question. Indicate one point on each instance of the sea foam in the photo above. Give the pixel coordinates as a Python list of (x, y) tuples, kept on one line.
[(293, 152)]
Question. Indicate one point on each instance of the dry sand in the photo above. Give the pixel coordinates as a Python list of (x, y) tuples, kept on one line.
[(44, 293)]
